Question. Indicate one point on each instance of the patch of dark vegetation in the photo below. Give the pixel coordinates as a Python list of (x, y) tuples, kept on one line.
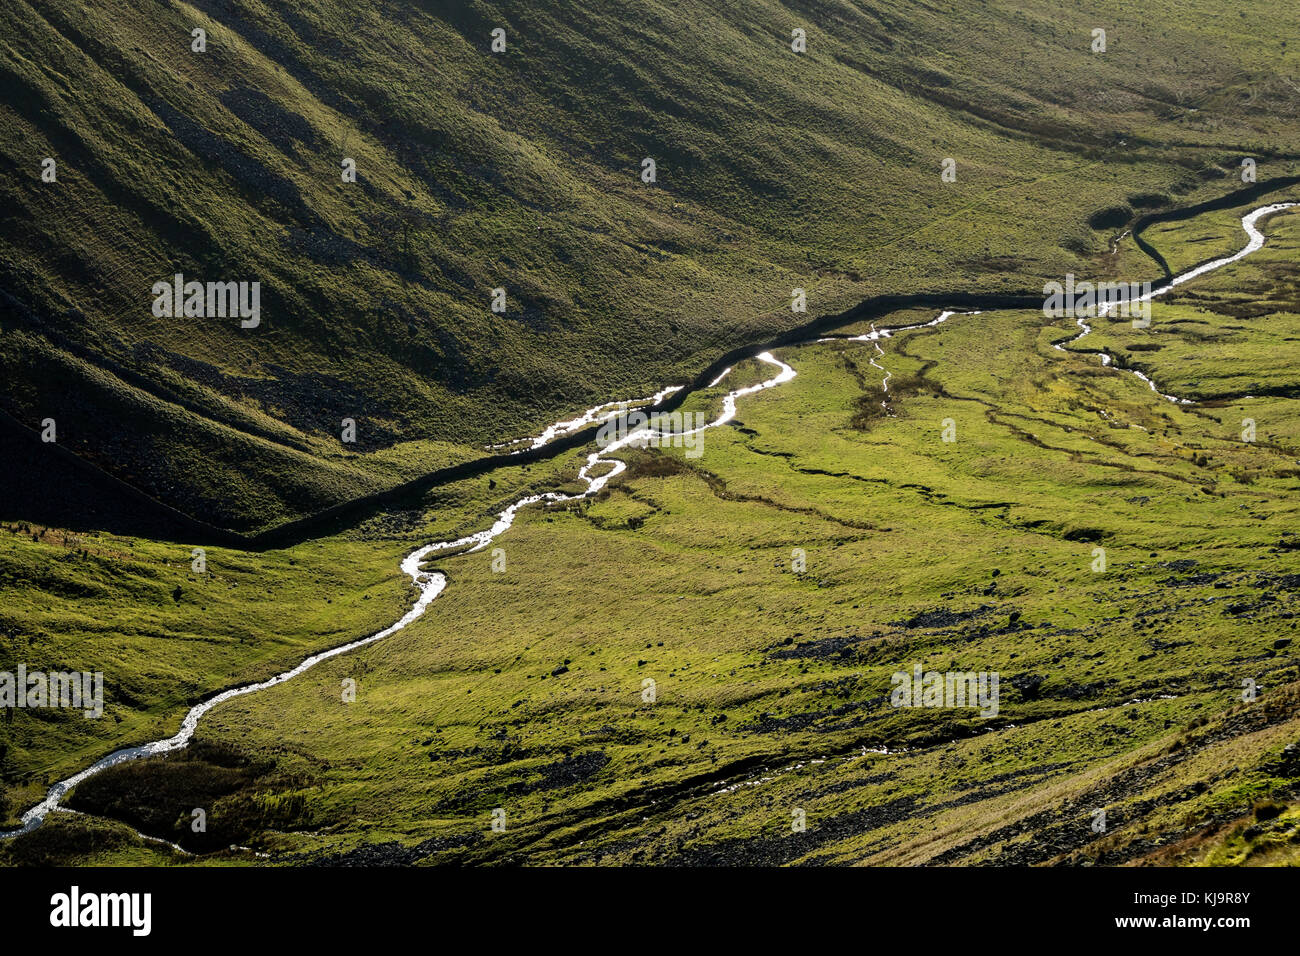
[(942, 617), (1242, 608), (1205, 577), (65, 841), (817, 719), (1149, 200), (1085, 690), (240, 796), (875, 404), (568, 771), (644, 464), (396, 523), (1112, 217), (1086, 534), (823, 649), (1028, 685), (1267, 810)]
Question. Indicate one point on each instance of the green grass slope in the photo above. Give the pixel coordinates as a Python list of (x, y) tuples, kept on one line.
[(523, 690)]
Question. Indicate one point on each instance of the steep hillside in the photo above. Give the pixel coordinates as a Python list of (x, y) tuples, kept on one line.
[(521, 170)]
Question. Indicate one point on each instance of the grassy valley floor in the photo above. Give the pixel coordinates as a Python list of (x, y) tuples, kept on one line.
[(684, 668)]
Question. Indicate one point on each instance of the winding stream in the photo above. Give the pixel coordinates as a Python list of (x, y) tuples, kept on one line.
[(1256, 243), (432, 583)]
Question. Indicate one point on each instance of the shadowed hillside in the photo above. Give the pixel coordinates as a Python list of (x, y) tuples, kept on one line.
[(521, 170)]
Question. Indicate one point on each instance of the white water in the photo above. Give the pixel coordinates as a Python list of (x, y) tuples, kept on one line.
[(1254, 245), (432, 583), (592, 416)]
